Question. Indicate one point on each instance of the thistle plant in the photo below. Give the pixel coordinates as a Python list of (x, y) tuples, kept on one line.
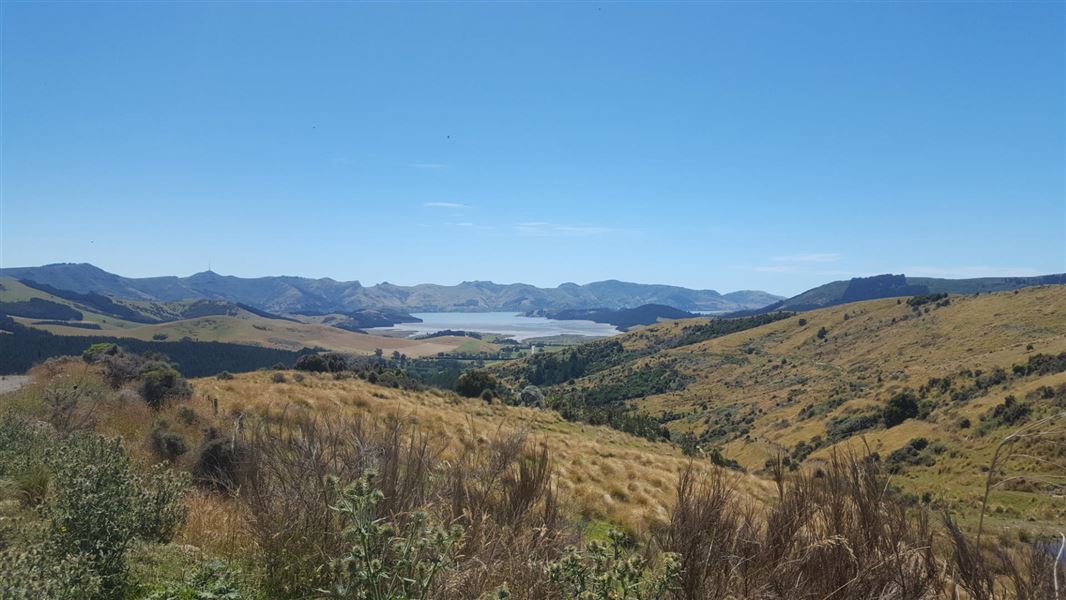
[(387, 560), (609, 571)]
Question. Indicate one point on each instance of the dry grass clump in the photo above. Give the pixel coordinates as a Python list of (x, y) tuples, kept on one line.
[(837, 533), (500, 492)]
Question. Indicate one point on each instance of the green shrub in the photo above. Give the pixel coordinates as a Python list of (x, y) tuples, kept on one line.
[(161, 382), (92, 509), (224, 375), (99, 506), (474, 382), (278, 378), (166, 444), (314, 363), (387, 560), (40, 573), (899, 408), (609, 571), (158, 507)]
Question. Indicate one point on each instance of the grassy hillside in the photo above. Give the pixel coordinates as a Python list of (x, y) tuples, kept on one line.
[(824, 378), (858, 289), (118, 479)]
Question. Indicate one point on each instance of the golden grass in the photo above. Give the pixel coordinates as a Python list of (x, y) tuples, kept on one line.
[(602, 474), (880, 348)]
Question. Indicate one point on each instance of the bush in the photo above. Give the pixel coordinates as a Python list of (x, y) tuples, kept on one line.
[(100, 506), (92, 509), (167, 445), (278, 378), (162, 382), (39, 573), (899, 408), (218, 461), (314, 363), (158, 507), (531, 396), (224, 376), (474, 382)]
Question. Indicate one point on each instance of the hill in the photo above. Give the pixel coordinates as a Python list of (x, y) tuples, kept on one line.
[(89, 314), (802, 385), (298, 294), (894, 286)]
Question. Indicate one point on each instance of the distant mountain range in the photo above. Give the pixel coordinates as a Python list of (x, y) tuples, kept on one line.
[(891, 286), (303, 295)]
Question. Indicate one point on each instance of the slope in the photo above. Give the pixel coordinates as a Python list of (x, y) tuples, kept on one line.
[(809, 383)]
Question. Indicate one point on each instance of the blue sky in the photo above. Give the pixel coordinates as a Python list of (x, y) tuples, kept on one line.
[(769, 146)]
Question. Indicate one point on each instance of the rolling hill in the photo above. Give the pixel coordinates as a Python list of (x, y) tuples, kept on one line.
[(894, 286), (966, 369), (90, 314), (299, 294)]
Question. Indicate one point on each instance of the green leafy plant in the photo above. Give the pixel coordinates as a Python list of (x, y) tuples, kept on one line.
[(387, 560), (212, 581), (610, 571)]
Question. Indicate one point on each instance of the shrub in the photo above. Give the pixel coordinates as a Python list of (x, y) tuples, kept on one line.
[(100, 505), (161, 382), (187, 415), (531, 396), (158, 507), (224, 375), (475, 381), (40, 573), (218, 461), (314, 363), (899, 408), (278, 378), (92, 509), (822, 332), (167, 445)]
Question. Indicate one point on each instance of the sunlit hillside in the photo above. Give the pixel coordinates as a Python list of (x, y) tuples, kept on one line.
[(208, 321), (822, 378)]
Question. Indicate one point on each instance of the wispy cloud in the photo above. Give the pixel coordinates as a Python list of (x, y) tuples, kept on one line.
[(445, 205), (798, 269), (825, 257), (544, 229), (969, 271), (430, 166)]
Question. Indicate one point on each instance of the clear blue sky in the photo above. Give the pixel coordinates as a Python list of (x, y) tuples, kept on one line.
[(769, 146)]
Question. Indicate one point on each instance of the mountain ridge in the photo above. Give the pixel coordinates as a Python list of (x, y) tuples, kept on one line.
[(290, 294), (858, 289)]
